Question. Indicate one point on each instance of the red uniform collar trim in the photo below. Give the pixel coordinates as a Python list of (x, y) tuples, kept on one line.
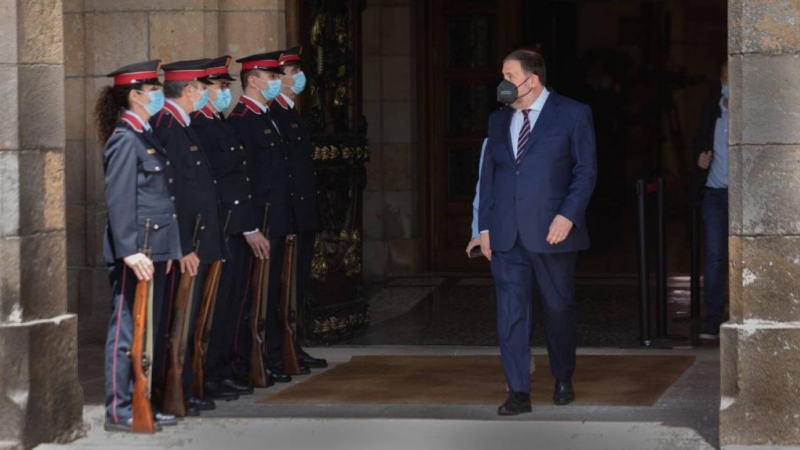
[(282, 101), (206, 111), (251, 104), (133, 120), (175, 113)]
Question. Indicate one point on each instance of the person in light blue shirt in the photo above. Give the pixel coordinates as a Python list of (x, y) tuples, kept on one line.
[(712, 141), (475, 240)]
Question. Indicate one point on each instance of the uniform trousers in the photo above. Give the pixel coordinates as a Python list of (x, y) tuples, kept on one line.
[(118, 367), (229, 314)]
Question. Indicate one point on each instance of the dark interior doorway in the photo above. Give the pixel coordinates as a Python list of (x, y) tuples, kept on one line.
[(644, 66)]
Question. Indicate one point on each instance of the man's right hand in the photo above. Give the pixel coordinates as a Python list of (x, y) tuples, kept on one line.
[(190, 263), (472, 244), (259, 244), (704, 161), (486, 248), (141, 265)]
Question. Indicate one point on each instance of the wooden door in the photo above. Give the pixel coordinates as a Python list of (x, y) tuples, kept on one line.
[(461, 47)]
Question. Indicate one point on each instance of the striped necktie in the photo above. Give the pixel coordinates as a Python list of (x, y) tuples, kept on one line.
[(524, 133)]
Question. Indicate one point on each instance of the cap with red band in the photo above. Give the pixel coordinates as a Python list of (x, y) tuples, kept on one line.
[(139, 73), (218, 69), (193, 70), (291, 56), (263, 61)]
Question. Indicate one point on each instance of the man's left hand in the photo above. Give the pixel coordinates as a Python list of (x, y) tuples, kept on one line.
[(559, 230)]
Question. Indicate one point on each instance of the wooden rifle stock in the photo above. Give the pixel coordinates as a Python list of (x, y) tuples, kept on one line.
[(140, 360), (173, 391), (258, 372), (288, 352), (202, 330)]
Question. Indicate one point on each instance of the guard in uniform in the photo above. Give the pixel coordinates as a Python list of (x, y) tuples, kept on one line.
[(136, 191), (228, 162), (267, 156), (195, 192), (302, 185)]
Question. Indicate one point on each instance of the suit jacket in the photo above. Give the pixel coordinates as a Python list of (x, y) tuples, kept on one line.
[(195, 189), (556, 175), (302, 177), (703, 141), (137, 190), (227, 159)]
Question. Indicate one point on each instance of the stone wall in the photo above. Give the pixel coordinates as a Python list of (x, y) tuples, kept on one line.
[(761, 344), (40, 398), (101, 36), (391, 199)]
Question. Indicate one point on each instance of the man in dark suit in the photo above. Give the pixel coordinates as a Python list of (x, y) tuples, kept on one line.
[(538, 175), (710, 194)]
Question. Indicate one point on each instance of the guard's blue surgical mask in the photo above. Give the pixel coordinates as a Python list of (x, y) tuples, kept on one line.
[(156, 101), (299, 80), (223, 100)]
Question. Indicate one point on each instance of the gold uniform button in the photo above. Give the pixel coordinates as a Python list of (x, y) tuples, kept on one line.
[(233, 148), (249, 196), (198, 163), (167, 162), (202, 228), (236, 202), (244, 163), (170, 181), (172, 198), (155, 227), (241, 147), (174, 216)]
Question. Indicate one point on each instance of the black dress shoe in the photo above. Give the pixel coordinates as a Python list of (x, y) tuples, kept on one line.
[(200, 404), (564, 393), (167, 420), (217, 391), (304, 370), (124, 426), (307, 360), (192, 410), (279, 376), (239, 388), (516, 403)]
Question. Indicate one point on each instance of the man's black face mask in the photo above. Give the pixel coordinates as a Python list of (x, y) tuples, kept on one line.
[(508, 92)]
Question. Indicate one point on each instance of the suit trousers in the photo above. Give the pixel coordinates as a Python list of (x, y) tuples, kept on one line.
[(515, 272), (229, 313), (118, 367)]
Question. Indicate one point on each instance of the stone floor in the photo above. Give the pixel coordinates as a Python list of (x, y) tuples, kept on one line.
[(685, 417), (453, 315)]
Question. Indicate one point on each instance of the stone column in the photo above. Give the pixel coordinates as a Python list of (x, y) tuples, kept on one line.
[(40, 398), (760, 353)]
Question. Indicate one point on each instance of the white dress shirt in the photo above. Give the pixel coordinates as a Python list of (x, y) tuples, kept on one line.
[(533, 115)]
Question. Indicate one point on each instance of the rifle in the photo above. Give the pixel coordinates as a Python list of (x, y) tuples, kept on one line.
[(258, 316), (288, 306), (140, 356), (202, 330), (173, 393)]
